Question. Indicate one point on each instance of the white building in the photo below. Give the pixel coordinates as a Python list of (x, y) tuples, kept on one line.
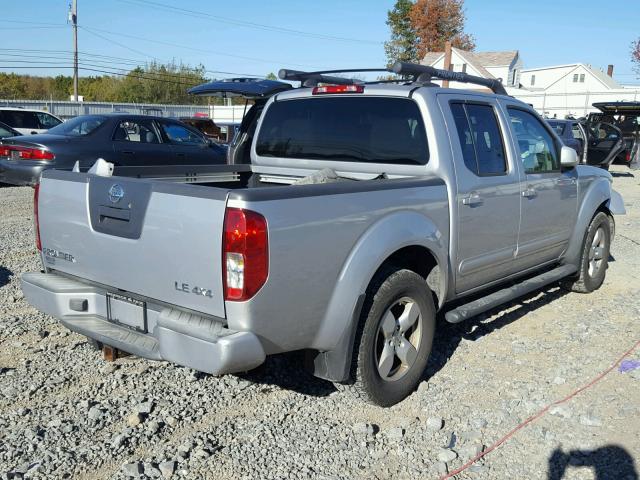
[(572, 78), (563, 90), (505, 66)]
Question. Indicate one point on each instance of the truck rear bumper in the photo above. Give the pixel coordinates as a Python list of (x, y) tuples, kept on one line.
[(180, 337)]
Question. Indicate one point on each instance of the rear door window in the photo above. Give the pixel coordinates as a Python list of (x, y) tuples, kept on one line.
[(576, 132), (47, 121), (140, 131), (345, 129), (480, 138), (181, 135), (19, 119)]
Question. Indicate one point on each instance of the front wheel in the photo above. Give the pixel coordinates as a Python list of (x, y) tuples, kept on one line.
[(595, 256), (394, 337)]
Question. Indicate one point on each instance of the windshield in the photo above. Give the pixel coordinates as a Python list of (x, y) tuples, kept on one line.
[(79, 126)]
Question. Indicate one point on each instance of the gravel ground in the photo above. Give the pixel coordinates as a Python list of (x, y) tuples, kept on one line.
[(66, 413)]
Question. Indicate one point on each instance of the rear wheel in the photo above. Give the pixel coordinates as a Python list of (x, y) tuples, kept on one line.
[(595, 256), (394, 337)]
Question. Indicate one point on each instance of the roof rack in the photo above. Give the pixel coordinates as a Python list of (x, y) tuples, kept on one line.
[(421, 74), (424, 74), (311, 79)]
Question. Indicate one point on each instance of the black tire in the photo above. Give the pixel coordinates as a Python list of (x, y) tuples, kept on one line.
[(589, 278), (393, 292)]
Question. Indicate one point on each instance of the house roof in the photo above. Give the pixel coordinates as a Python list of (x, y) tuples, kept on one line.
[(496, 59), (477, 60), (605, 79)]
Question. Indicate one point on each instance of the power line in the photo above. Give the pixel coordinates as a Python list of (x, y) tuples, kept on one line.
[(243, 23), (30, 28), (150, 75), (141, 77), (64, 55), (90, 31), (132, 75), (7, 20), (185, 47)]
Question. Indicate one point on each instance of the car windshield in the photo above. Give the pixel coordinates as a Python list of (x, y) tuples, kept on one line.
[(79, 126)]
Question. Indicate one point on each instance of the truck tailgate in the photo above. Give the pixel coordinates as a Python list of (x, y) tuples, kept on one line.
[(156, 239)]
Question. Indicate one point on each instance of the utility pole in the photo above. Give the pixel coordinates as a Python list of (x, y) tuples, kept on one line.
[(447, 62), (74, 21)]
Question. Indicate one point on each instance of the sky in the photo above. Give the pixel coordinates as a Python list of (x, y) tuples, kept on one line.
[(254, 37)]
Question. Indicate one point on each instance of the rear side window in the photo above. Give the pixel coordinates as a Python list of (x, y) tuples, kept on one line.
[(79, 126), (345, 129), (180, 135), (558, 127), (140, 131), (47, 121), (19, 119), (480, 138)]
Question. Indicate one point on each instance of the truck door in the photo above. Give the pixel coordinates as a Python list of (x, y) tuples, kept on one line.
[(605, 142), (488, 191), (549, 195)]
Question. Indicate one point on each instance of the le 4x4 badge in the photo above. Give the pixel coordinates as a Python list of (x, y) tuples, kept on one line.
[(184, 287)]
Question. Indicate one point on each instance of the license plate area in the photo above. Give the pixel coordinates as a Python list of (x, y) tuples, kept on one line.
[(127, 311)]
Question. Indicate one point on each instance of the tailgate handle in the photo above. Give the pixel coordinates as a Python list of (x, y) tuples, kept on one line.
[(115, 213)]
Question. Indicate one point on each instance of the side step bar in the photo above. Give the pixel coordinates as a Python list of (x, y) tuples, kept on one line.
[(483, 304)]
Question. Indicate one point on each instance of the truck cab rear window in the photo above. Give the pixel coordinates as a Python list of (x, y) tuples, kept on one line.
[(345, 129)]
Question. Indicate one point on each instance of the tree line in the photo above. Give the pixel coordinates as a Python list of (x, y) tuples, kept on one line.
[(152, 83)]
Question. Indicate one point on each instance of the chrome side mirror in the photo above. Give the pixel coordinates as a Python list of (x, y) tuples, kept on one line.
[(568, 157)]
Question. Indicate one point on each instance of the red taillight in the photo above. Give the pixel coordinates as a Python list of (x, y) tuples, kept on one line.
[(338, 89), (245, 253), (627, 158), (36, 219), (25, 153)]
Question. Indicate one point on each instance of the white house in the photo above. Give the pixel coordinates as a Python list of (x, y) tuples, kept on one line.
[(572, 89), (572, 78), (505, 66)]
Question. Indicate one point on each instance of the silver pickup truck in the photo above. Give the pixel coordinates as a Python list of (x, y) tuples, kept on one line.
[(366, 209)]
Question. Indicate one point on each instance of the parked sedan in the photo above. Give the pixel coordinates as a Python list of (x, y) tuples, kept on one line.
[(135, 142)]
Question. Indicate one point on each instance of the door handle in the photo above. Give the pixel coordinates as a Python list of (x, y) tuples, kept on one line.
[(530, 192), (472, 199), (127, 152)]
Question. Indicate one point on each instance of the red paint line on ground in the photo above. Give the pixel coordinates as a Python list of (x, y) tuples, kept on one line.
[(540, 414)]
